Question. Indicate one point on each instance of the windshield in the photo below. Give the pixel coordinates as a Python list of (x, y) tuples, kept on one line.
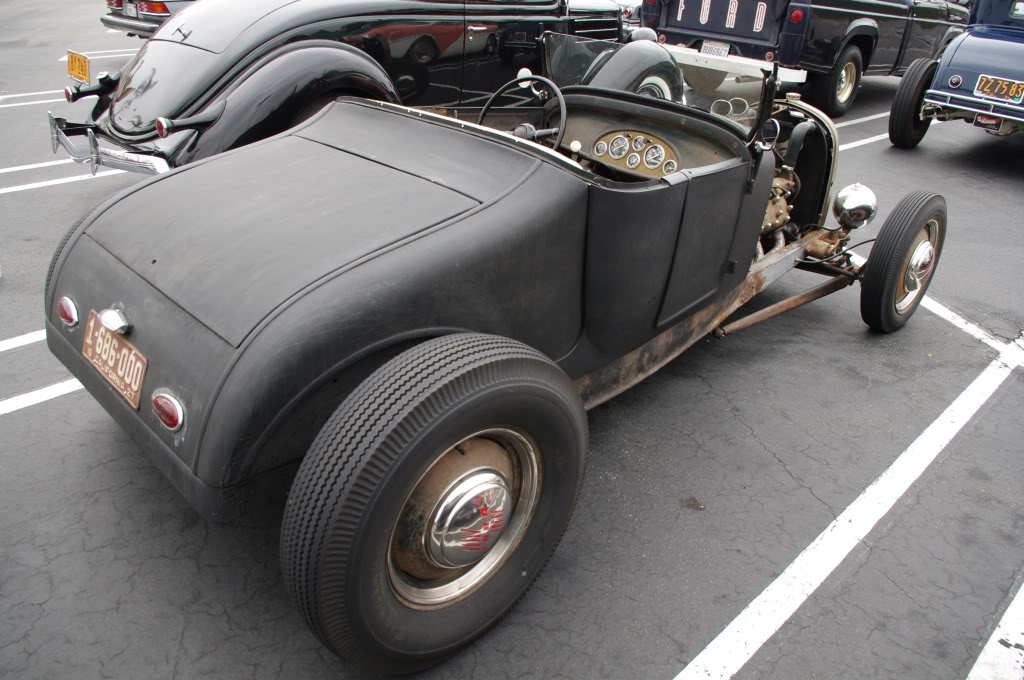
[(730, 88)]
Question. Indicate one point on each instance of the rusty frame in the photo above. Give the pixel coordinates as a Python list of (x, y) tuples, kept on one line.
[(614, 378)]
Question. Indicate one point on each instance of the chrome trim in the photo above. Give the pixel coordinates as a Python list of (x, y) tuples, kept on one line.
[(95, 155), (175, 402), (965, 103), (125, 24), (115, 321)]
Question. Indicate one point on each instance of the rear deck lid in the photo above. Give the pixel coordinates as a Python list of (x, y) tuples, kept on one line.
[(232, 239)]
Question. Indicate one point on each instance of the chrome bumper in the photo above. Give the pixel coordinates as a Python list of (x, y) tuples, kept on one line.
[(94, 155), (974, 104)]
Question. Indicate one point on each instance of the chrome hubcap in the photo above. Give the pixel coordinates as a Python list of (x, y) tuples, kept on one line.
[(469, 520), (918, 268), (464, 518)]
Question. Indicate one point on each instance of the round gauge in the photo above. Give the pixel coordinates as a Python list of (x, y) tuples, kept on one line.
[(633, 161), (654, 156), (669, 167), (600, 149), (639, 142), (618, 147)]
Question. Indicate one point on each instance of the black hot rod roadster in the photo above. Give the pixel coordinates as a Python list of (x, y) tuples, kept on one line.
[(417, 317)]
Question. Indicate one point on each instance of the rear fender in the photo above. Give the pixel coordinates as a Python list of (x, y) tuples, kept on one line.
[(862, 32), (626, 69), (263, 100)]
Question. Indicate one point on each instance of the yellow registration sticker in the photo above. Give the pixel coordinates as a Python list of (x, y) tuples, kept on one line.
[(78, 67)]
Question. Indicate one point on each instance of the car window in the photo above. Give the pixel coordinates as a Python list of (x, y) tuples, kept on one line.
[(1017, 9)]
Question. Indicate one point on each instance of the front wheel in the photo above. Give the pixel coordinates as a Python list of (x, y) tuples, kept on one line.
[(432, 499), (906, 127), (903, 261), (835, 91)]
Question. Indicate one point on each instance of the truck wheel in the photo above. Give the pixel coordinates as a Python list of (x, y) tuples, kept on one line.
[(906, 128), (431, 500), (835, 91), (903, 260)]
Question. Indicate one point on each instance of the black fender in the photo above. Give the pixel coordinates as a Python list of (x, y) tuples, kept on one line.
[(263, 99), (859, 29), (626, 69), (951, 34)]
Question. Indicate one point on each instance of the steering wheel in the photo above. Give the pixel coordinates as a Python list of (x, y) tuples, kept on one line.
[(527, 131)]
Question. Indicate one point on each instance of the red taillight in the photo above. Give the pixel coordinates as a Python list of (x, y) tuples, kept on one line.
[(69, 94), (626, 12), (155, 8), (169, 410), (769, 56), (115, 4), (796, 16), (67, 312), (161, 125)]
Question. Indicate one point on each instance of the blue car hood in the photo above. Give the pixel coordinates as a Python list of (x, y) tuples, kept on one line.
[(989, 50)]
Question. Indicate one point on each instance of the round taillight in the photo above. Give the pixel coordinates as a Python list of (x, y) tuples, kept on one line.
[(661, 37), (168, 410), (796, 16), (626, 12), (163, 127), (67, 312), (69, 94), (769, 56)]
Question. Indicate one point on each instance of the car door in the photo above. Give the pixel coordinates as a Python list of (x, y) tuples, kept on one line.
[(928, 27), (501, 38)]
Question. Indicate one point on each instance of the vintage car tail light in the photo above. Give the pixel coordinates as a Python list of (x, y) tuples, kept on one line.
[(154, 9), (115, 4), (955, 81), (67, 312), (163, 127), (69, 94), (769, 56), (626, 12), (796, 16), (168, 410)]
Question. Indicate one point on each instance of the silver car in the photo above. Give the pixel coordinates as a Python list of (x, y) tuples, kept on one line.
[(136, 17)]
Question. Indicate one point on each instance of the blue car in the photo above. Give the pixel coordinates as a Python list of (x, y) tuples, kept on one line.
[(979, 78)]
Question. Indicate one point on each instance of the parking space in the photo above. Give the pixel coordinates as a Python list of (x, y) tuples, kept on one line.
[(709, 485)]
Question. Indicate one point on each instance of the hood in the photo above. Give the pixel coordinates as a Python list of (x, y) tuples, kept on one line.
[(987, 50), (229, 241)]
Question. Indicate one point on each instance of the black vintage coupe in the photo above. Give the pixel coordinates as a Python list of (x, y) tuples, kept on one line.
[(224, 73), (416, 317)]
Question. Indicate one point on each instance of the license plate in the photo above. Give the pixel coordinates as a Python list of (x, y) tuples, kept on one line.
[(988, 122), (716, 49), (999, 88), (115, 359), (78, 67), (130, 10)]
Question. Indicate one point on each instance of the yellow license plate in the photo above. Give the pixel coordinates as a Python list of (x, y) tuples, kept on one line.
[(115, 359), (999, 88), (78, 67)]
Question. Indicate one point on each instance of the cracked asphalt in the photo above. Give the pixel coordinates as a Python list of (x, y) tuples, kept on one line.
[(705, 481)]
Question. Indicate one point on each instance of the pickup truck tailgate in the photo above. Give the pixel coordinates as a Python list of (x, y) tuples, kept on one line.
[(743, 20)]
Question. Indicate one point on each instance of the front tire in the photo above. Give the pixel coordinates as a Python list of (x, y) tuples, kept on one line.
[(903, 261), (432, 499), (906, 128), (835, 91)]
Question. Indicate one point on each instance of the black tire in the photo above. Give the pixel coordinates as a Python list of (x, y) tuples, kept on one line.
[(704, 80), (883, 288), (825, 88), (906, 129), (340, 520)]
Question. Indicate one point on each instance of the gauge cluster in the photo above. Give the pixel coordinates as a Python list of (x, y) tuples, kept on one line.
[(636, 153)]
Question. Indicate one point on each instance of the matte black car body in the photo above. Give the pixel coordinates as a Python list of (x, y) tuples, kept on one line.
[(244, 70)]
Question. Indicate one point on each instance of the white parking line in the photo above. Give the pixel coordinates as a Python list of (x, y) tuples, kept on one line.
[(862, 142), (28, 94), (21, 401), (763, 617), (1002, 657), (22, 340), (38, 101), (63, 180), (865, 119), (33, 166)]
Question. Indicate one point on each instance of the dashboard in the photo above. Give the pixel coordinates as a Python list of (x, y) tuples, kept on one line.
[(635, 153)]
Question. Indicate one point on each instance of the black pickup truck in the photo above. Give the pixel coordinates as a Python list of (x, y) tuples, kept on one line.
[(835, 41)]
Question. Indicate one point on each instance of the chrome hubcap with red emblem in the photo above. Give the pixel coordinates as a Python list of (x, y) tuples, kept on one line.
[(464, 517)]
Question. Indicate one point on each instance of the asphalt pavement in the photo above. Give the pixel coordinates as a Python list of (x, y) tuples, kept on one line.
[(804, 499)]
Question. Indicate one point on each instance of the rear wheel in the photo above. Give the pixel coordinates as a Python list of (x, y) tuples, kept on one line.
[(906, 128), (903, 261), (655, 86), (432, 499), (835, 91)]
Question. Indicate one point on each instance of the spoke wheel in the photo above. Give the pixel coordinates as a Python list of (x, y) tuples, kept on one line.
[(903, 261)]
